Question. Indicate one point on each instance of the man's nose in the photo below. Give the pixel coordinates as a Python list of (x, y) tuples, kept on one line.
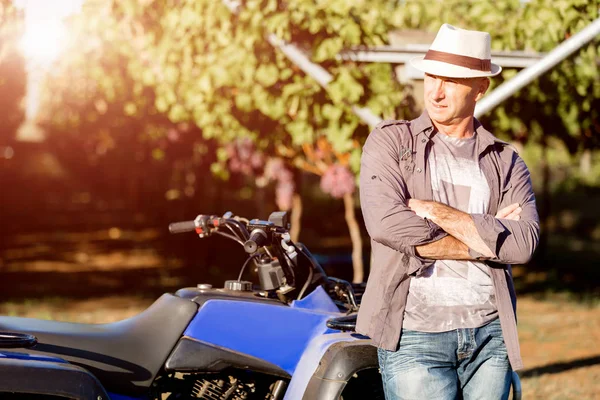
[(437, 91)]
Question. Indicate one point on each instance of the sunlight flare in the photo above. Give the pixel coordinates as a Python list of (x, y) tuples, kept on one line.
[(41, 44)]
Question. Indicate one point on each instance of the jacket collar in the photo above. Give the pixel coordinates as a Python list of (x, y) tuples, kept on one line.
[(486, 136), (423, 124)]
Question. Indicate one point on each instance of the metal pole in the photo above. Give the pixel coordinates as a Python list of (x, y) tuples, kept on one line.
[(319, 74), (403, 54), (294, 54), (560, 53)]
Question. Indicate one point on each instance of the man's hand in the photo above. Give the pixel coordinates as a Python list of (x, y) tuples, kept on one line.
[(510, 212)]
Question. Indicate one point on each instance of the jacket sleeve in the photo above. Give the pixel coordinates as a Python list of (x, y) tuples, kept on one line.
[(513, 242), (384, 195)]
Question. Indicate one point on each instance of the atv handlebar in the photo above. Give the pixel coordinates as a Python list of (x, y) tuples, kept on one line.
[(258, 238), (182, 227), (265, 241), (280, 263), (203, 225)]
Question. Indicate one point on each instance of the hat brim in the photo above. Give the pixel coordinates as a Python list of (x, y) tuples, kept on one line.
[(440, 68)]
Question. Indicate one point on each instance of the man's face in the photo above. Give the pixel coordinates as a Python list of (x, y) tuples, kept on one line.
[(450, 100)]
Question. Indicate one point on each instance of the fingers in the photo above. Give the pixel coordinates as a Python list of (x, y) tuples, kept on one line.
[(515, 215), (508, 210)]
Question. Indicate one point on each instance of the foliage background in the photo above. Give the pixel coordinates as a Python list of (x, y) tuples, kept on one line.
[(147, 96)]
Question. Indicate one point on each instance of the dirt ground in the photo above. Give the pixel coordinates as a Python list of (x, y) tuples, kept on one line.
[(560, 348)]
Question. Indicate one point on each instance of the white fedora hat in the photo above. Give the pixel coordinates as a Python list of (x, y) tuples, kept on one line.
[(458, 53)]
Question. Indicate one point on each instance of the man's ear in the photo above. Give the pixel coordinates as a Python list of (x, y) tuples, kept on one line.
[(483, 86)]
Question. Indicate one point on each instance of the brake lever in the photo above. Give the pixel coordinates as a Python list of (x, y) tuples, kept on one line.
[(206, 224), (348, 294), (201, 227), (289, 249)]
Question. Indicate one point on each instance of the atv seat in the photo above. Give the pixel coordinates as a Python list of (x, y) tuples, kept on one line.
[(126, 355)]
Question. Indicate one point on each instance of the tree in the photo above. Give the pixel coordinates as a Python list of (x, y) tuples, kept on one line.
[(217, 70), (338, 181), (103, 123)]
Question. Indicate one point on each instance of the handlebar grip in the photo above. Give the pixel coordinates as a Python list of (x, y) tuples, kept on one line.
[(181, 227), (258, 238)]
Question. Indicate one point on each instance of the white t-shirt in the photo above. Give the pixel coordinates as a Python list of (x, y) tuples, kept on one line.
[(453, 294)]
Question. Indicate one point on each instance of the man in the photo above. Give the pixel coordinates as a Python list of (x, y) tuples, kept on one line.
[(448, 207)]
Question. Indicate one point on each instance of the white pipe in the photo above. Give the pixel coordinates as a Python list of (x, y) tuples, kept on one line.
[(294, 54), (403, 54), (319, 74), (560, 53)]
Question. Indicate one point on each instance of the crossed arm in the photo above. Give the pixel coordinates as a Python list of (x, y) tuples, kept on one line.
[(425, 230), (460, 227), (510, 237)]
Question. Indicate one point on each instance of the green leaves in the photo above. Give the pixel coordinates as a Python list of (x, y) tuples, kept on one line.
[(301, 132), (328, 49), (195, 62), (345, 88), (267, 74), (238, 81)]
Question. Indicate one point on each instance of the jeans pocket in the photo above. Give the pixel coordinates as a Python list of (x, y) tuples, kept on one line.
[(494, 328), (494, 347), (391, 362)]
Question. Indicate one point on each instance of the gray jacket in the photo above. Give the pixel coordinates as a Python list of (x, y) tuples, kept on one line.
[(394, 169)]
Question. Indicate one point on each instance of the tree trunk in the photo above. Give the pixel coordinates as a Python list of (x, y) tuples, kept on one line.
[(357, 262), (585, 162), (546, 205), (296, 217), (260, 204)]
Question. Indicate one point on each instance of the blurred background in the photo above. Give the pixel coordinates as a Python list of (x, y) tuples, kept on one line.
[(119, 117)]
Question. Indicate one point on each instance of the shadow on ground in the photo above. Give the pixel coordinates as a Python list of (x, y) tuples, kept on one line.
[(560, 367)]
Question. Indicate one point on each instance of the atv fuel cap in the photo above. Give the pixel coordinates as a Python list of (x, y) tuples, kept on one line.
[(204, 286)]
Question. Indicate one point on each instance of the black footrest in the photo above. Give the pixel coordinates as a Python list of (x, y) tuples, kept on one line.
[(10, 340), (346, 323)]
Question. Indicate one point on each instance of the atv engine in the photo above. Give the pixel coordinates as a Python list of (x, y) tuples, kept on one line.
[(221, 389), (242, 386)]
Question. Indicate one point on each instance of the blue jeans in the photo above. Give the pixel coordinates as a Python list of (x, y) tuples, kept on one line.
[(463, 363)]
